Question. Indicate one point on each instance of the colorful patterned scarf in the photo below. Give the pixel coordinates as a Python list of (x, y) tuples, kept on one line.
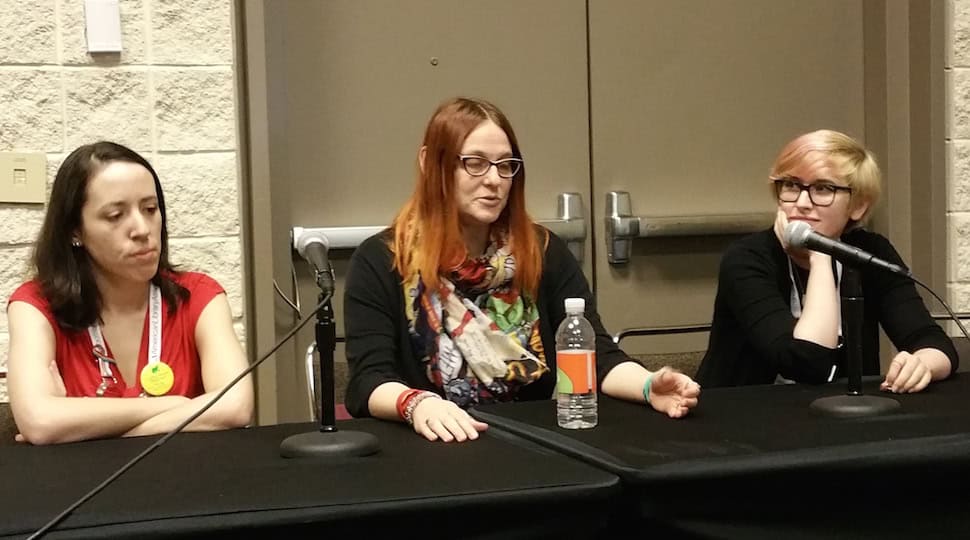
[(477, 335)]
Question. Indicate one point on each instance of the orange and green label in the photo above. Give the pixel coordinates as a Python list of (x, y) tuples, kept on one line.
[(576, 371)]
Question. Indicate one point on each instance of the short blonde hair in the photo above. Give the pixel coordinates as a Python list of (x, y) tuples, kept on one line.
[(855, 165)]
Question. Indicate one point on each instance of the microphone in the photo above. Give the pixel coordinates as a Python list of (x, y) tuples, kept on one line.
[(327, 440), (314, 248), (800, 235)]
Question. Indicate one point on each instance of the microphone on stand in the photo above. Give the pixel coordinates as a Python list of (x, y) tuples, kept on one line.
[(854, 402), (800, 235), (328, 441), (315, 248)]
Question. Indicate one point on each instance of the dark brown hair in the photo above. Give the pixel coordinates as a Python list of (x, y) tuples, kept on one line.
[(64, 272)]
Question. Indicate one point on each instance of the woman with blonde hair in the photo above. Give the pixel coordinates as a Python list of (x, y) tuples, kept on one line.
[(777, 311), (457, 303)]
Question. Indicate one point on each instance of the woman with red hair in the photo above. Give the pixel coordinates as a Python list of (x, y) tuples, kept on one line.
[(457, 303)]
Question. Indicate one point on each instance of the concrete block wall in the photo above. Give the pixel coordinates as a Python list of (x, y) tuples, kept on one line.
[(169, 95), (958, 153)]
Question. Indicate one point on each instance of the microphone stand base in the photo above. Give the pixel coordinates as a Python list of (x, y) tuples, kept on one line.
[(850, 406), (329, 444)]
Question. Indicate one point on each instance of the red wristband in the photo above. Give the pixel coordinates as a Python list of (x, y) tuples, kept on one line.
[(403, 398), (412, 403)]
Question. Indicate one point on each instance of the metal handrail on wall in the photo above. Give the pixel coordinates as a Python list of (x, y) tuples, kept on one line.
[(569, 224), (696, 328), (660, 331), (622, 227)]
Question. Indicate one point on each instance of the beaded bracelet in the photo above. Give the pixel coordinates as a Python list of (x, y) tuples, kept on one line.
[(413, 404), (403, 398)]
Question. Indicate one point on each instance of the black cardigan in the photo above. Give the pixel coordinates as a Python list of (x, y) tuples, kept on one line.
[(376, 328), (751, 337)]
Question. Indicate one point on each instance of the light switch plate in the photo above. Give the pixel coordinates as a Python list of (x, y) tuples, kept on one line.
[(102, 19), (23, 177)]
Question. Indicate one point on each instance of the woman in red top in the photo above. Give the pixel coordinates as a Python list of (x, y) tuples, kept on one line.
[(106, 317)]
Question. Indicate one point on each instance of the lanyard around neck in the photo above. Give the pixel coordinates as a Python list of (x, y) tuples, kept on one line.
[(154, 335)]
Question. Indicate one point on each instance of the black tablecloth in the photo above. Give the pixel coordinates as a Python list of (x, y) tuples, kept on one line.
[(758, 461), (213, 484)]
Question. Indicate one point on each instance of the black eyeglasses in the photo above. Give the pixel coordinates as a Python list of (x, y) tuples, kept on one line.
[(479, 166), (821, 193)]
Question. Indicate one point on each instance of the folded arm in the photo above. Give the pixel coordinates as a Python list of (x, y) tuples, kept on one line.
[(43, 413), (819, 322), (749, 281)]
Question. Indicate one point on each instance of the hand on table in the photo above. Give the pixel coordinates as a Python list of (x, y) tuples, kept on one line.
[(673, 392), (437, 418), (907, 373)]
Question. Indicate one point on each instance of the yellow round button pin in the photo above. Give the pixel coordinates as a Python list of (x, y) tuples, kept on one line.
[(157, 379)]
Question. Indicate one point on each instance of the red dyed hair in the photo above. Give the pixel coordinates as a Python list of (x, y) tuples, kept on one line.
[(427, 231)]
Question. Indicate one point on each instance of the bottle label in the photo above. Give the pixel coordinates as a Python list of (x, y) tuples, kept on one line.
[(576, 371)]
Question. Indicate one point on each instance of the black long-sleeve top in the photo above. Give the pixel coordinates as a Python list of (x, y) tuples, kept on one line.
[(376, 328), (752, 339)]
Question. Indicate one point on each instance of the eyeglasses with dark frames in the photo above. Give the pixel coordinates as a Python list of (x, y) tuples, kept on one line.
[(820, 193), (479, 165)]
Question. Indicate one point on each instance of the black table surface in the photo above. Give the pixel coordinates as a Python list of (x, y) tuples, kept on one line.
[(752, 461), (211, 484)]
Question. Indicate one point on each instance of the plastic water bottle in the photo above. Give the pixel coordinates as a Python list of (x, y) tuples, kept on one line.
[(576, 369)]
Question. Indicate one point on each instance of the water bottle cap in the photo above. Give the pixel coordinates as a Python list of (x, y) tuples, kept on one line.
[(575, 305)]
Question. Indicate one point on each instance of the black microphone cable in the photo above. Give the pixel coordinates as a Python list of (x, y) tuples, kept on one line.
[(945, 306), (114, 476)]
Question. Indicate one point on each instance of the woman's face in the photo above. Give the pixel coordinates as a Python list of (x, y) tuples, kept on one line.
[(121, 223), (814, 170), (481, 199)]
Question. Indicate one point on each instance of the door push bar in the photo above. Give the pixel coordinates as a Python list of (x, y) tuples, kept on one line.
[(622, 226), (570, 225)]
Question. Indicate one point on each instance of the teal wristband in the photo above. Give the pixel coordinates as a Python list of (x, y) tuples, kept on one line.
[(646, 388)]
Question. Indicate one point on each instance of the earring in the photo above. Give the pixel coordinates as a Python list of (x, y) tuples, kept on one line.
[(76, 243)]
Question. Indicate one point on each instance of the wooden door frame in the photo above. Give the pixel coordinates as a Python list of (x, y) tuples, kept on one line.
[(258, 87), (906, 129), (905, 99)]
